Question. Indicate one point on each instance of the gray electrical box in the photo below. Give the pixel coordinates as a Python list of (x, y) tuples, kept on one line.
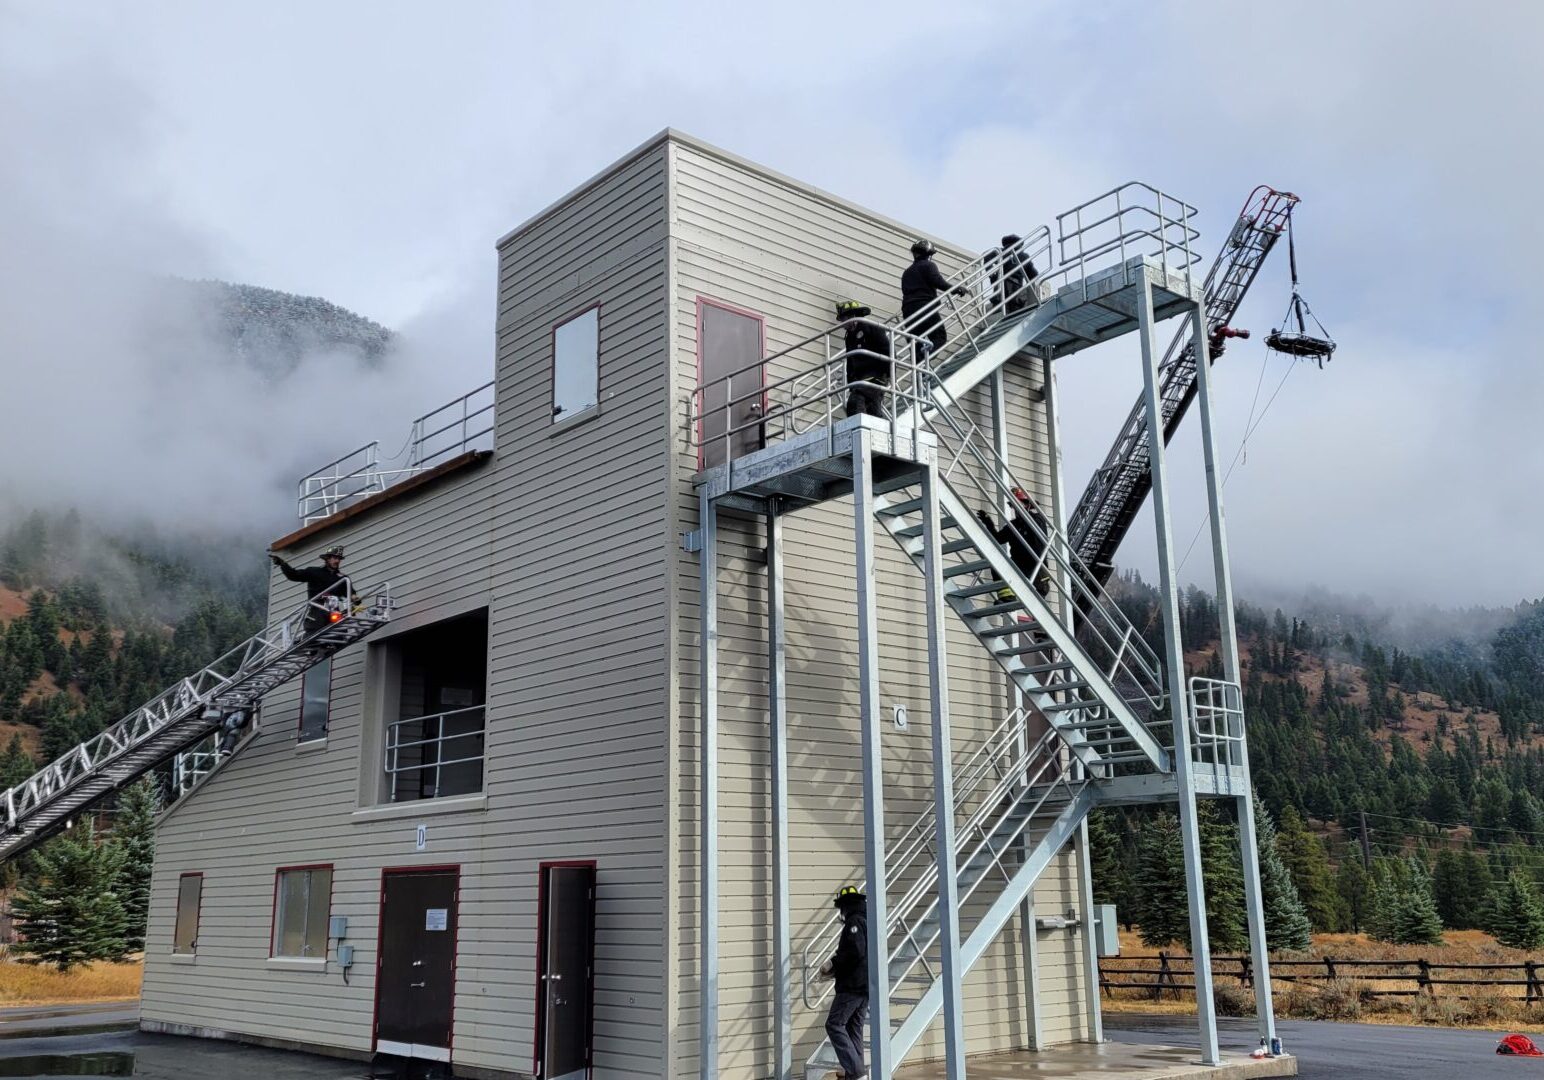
[(337, 927), (345, 956), (1106, 930)]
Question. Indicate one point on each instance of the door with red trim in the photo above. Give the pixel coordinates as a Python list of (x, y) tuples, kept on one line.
[(417, 974), (566, 975)]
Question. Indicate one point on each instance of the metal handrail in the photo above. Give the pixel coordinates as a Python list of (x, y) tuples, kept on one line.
[(420, 456), (217, 681), (916, 843), (394, 745)]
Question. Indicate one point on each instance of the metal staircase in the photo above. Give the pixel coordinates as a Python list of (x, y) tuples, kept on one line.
[(1018, 800), (1119, 487), (184, 714)]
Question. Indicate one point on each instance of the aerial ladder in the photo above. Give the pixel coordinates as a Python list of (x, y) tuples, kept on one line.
[(1119, 487), (187, 713)]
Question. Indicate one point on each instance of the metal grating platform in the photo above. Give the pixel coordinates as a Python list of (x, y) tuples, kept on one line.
[(817, 465)]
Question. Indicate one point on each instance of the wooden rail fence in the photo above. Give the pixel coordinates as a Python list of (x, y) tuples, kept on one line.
[(1176, 973)]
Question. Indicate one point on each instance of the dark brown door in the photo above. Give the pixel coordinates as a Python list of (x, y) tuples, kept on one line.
[(416, 986), (729, 360), (567, 972)]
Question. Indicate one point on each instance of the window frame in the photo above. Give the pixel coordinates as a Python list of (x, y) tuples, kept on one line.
[(198, 912), (554, 421), (301, 738), (273, 921)]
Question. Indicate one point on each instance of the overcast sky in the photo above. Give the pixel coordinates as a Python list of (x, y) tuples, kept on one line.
[(371, 152)]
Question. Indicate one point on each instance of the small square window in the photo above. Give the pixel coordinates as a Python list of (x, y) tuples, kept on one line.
[(576, 365), (302, 902), (190, 895)]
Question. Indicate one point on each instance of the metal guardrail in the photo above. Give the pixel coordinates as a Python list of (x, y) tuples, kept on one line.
[(1217, 721), (462, 424), (430, 751)]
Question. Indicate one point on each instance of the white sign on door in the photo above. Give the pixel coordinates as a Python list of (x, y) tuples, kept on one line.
[(436, 918)]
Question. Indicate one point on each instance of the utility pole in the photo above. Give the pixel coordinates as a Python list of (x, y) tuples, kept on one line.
[(1366, 843)]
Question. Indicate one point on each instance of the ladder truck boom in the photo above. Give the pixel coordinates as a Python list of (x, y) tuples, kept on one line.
[(1119, 487), (184, 713)]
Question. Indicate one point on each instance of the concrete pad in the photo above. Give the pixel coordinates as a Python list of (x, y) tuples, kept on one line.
[(1127, 1061)]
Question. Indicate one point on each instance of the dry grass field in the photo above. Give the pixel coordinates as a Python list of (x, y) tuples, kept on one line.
[(1350, 998), (28, 984)]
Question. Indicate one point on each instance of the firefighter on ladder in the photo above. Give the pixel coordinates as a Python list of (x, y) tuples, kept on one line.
[(321, 581)]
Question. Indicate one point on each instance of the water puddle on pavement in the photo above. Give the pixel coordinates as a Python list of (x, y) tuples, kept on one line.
[(102, 1063)]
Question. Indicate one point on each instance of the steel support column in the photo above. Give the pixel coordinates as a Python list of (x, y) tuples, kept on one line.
[(1254, 904), (1093, 1014), (1168, 580), (707, 826), (873, 761), (777, 709), (1029, 947), (943, 780)]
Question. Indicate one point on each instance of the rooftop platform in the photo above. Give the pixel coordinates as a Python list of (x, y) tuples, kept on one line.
[(1211, 782), (817, 465), (1103, 306)]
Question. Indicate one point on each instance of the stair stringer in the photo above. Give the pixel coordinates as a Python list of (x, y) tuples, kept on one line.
[(952, 506)]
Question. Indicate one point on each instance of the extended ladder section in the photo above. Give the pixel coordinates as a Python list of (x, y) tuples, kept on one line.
[(1017, 801), (185, 713), (1116, 491)]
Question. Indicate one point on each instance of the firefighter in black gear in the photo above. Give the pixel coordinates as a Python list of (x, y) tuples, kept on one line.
[(1012, 281), (849, 967), (320, 580), (920, 285), (869, 366), (1025, 537)]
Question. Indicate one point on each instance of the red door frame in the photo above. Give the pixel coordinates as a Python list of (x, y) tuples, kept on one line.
[(761, 320), (539, 1027), (380, 939)]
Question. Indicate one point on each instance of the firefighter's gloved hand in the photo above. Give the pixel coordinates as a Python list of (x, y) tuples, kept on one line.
[(275, 559), (825, 970)]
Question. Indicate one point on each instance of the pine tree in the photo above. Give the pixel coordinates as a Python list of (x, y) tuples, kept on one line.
[(68, 908), (1309, 866), (134, 834), (1404, 911), (1517, 913), (1226, 927), (1286, 920), (1162, 910), (1355, 891), (1111, 878), (15, 764)]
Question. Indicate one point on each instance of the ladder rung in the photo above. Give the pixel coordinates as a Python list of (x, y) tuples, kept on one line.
[(972, 567), (911, 532), (1012, 628), (975, 590), (900, 509)]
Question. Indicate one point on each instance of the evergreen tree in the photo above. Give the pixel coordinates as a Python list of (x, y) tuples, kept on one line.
[(68, 908), (134, 834), (1461, 884), (1354, 887), (1517, 913), (1111, 878), (1286, 920), (1307, 862), (1162, 911), (1227, 930), (15, 764), (1403, 909)]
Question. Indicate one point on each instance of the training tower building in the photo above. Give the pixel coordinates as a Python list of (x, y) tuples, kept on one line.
[(673, 649)]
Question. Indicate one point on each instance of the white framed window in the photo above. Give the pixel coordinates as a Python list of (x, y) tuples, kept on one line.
[(302, 900), (576, 365), (190, 896)]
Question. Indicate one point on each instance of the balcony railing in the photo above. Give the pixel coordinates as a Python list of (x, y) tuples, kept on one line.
[(466, 423), (420, 750)]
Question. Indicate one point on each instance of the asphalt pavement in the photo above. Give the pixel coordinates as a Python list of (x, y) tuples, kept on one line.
[(1326, 1050)]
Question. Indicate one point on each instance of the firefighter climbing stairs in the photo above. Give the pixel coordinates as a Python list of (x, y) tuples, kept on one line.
[(183, 714)]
